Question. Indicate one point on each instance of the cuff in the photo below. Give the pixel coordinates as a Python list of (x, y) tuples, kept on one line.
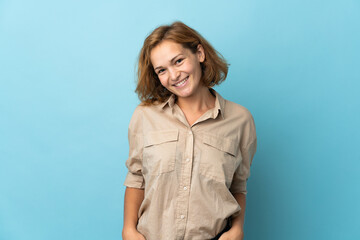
[(239, 187), (134, 181)]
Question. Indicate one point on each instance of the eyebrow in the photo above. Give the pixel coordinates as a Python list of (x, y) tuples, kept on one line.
[(170, 60)]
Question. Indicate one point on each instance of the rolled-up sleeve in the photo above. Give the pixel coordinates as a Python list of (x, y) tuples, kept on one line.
[(247, 150), (134, 177)]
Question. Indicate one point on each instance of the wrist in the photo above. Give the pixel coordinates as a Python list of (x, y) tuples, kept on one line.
[(129, 229), (237, 229)]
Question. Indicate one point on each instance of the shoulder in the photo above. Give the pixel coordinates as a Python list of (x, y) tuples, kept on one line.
[(232, 110), (137, 112), (236, 110), (241, 117), (144, 111), (148, 108)]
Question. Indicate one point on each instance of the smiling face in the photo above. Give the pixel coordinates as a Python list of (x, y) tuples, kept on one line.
[(177, 68)]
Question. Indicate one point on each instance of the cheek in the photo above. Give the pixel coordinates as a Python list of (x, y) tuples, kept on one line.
[(194, 68), (196, 71), (163, 80)]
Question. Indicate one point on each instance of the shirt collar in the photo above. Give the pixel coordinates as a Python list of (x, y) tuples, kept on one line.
[(219, 103), (170, 101)]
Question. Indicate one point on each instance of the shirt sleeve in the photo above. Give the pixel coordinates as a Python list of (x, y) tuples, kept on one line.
[(247, 150), (134, 177)]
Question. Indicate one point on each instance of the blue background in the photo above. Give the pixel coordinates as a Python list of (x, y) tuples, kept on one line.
[(67, 80)]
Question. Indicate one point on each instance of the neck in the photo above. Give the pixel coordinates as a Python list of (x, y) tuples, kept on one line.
[(200, 102)]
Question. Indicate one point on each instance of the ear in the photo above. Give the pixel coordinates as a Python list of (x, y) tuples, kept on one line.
[(200, 53)]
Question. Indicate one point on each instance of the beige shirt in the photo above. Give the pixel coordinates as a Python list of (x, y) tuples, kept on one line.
[(189, 172)]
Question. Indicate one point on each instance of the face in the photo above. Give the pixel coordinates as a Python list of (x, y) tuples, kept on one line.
[(178, 69)]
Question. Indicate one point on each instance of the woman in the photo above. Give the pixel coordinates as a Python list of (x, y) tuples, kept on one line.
[(190, 149)]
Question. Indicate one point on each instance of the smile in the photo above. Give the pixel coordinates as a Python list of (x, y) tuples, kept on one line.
[(182, 82)]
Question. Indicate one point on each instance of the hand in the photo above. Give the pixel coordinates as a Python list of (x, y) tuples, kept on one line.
[(232, 234), (132, 234)]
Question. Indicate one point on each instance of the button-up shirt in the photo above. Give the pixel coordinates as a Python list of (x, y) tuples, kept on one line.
[(189, 173)]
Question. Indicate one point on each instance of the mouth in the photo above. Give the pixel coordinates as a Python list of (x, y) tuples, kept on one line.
[(181, 83)]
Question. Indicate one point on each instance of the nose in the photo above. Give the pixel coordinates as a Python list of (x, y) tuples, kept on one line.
[(174, 74)]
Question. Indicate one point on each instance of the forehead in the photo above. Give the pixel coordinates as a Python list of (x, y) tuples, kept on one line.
[(165, 52)]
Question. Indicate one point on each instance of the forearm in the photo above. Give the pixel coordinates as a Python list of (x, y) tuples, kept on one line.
[(238, 221), (132, 202)]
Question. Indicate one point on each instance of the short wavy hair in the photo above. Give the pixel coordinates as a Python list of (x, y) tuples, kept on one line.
[(149, 88)]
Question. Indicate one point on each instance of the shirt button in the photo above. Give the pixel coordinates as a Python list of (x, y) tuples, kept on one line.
[(182, 216), (190, 132), (185, 188), (188, 159)]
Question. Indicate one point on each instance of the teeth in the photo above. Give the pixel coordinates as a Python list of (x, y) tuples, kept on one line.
[(180, 83)]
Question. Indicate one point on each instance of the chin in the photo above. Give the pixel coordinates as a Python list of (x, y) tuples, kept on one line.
[(183, 93)]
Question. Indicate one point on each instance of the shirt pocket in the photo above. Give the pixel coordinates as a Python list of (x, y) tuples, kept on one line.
[(160, 151), (218, 158)]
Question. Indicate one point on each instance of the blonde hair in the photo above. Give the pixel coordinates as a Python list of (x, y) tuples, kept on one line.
[(149, 88)]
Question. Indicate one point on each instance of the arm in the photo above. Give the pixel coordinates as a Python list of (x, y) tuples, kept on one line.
[(134, 182), (236, 231), (238, 221), (242, 173), (133, 200)]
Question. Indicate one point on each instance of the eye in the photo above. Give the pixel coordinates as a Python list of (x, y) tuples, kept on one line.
[(160, 71), (179, 60)]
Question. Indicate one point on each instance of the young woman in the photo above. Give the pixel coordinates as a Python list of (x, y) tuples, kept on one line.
[(190, 149)]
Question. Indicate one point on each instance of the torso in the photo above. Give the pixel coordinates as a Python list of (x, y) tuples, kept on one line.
[(191, 115)]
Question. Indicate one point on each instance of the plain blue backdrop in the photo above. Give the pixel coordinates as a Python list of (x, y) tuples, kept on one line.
[(67, 80)]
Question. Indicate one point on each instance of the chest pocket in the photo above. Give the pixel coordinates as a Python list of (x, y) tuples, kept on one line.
[(218, 158), (160, 151)]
